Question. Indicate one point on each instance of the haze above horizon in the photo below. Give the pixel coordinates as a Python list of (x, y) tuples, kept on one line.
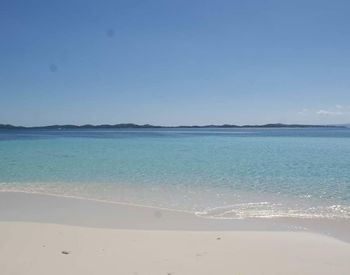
[(175, 62)]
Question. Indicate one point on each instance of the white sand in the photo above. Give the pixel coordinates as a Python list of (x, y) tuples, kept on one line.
[(104, 238), (36, 248)]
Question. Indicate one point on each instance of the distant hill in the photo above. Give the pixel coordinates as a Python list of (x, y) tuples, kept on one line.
[(8, 126), (343, 125), (136, 126)]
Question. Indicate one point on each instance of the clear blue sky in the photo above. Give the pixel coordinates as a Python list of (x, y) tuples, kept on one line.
[(174, 62)]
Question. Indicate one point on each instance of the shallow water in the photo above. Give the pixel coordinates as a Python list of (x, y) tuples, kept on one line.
[(218, 173)]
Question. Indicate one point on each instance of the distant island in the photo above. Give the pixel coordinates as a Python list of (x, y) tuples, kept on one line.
[(137, 126)]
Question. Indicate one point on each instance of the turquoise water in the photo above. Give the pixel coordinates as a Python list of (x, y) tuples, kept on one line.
[(219, 173)]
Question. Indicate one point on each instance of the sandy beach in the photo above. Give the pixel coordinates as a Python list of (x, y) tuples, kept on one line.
[(52, 235), (36, 248)]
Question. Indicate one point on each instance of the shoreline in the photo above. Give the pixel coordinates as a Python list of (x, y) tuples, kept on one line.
[(93, 200), (209, 212), (65, 210)]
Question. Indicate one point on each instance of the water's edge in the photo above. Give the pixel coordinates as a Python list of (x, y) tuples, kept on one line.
[(31, 207)]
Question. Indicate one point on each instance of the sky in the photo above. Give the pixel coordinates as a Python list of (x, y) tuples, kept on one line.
[(179, 62)]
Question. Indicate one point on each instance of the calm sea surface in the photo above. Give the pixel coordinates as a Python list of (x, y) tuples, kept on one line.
[(219, 173)]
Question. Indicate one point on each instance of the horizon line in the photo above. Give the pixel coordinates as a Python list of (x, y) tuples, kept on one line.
[(134, 125)]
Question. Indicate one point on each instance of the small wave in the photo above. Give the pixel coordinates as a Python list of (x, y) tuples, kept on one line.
[(274, 210)]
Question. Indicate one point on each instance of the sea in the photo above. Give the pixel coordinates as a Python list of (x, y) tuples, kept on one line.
[(218, 173)]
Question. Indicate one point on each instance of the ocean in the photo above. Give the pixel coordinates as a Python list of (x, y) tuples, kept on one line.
[(212, 172)]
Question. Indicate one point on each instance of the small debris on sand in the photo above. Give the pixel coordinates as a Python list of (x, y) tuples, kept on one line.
[(218, 238), (65, 252)]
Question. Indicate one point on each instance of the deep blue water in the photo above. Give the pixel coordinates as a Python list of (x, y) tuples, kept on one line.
[(231, 173)]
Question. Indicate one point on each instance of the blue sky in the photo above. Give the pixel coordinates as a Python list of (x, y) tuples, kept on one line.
[(174, 62)]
